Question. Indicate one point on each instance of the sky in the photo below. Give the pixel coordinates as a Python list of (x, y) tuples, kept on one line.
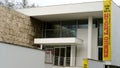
[(57, 2)]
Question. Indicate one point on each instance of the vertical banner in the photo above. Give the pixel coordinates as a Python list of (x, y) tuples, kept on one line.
[(85, 63), (107, 30)]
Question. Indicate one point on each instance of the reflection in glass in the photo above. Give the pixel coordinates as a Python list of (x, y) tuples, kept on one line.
[(53, 25), (64, 28), (52, 33), (69, 29), (83, 24), (68, 33)]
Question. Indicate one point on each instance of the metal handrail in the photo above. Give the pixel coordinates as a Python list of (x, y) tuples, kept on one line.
[(65, 60)]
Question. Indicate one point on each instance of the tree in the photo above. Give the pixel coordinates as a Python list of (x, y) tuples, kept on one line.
[(1, 3), (17, 5), (25, 3), (7, 4)]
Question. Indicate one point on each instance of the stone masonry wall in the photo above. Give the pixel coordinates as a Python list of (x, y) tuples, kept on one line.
[(16, 28)]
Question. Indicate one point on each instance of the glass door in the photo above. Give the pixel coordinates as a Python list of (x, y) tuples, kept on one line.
[(62, 56), (59, 56), (56, 56)]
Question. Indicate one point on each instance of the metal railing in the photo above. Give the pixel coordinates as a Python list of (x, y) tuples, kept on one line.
[(59, 33), (61, 61)]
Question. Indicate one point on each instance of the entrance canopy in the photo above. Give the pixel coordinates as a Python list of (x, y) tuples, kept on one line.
[(58, 41)]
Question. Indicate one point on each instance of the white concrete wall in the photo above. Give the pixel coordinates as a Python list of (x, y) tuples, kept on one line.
[(82, 50), (20, 57), (94, 44), (49, 65), (115, 34), (72, 59), (62, 9), (95, 64)]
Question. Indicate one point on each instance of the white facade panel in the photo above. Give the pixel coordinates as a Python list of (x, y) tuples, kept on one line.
[(95, 64), (82, 51), (12, 56), (62, 9), (95, 44), (115, 35)]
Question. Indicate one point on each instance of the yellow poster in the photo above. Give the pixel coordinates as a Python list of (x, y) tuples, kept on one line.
[(85, 63), (107, 30)]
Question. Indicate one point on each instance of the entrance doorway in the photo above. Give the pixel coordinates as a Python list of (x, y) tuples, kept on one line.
[(62, 56)]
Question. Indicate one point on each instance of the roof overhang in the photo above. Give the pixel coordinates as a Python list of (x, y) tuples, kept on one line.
[(69, 16), (66, 11), (58, 41)]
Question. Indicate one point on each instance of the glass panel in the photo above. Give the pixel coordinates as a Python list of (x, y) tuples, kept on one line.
[(62, 52), (56, 56), (53, 25), (64, 28), (100, 32), (68, 52), (62, 56), (52, 33), (69, 29), (69, 25), (100, 54), (68, 33), (68, 56), (100, 41), (98, 23), (83, 23), (56, 60), (56, 51), (44, 34)]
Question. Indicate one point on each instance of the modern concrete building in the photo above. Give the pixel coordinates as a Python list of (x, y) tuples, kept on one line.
[(16, 40), (72, 32)]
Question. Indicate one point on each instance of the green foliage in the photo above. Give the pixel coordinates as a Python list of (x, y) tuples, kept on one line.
[(17, 5)]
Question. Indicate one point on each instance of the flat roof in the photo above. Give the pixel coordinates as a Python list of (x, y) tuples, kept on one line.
[(58, 41), (66, 11)]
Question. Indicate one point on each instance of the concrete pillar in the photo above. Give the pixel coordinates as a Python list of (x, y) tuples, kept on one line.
[(72, 58), (41, 46), (90, 22)]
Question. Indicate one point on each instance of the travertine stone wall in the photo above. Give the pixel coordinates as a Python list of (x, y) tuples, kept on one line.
[(16, 28)]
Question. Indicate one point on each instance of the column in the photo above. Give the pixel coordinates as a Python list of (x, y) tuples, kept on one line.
[(90, 21), (72, 58)]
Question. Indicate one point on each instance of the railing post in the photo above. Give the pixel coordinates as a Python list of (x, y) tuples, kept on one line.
[(59, 61), (64, 61)]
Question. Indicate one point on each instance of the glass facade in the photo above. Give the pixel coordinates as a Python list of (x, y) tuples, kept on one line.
[(99, 25), (68, 29), (64, 28), (83, 24), (59, 56), (58, 29)]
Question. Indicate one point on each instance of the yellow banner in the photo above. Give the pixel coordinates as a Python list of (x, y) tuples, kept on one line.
[(85, 63), (107, 30)]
